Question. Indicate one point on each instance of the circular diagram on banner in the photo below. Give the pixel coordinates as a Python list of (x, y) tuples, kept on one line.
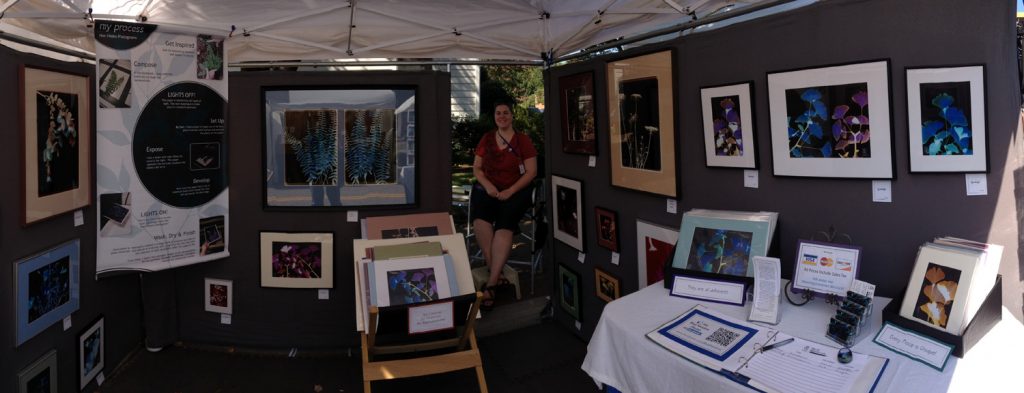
[(179, 145)]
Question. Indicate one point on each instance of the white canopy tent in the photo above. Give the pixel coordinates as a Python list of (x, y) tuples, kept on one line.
[(532, 31)]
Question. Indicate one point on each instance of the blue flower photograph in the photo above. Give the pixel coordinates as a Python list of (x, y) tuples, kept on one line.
[(49, 287), (728, 125), (946, 119), (829, 121), (412, 286), (720, 251)]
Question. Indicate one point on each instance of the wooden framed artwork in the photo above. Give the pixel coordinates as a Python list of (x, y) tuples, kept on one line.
[(297, 260), (91, 349), (56, 135), (568, 208), (579, 130), (218, 295), (569, 291), (46, 285), (821, 125), (607, 228), (728, 119), (335, 148), (40, 376), (641, 121), (655, 245), (606, 285), (946, 119)]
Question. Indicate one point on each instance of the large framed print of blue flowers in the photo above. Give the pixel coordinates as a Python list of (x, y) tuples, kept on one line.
[(640, 121), (832, 121), (946, 119), (339, 148), (728, 126), (46, 289)]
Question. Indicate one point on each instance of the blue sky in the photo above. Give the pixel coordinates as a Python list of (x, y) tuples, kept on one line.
[(1020, 7)]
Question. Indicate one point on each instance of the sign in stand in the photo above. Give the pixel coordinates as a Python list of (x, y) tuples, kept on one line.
[(161, 151)]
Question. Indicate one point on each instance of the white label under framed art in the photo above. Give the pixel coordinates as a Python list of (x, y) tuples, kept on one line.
[(946, 119), (821, 125)]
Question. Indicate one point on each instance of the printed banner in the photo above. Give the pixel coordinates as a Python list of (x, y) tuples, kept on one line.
[(161, 152)]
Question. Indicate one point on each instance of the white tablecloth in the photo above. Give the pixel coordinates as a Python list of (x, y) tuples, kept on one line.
[(621, 355)]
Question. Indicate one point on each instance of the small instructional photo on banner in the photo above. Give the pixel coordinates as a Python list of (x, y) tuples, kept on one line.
[(211, 235), (115, 214), (115, 83), (209, 57), (204, 156)]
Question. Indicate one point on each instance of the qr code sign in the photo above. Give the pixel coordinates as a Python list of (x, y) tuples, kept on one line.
[(722, 337)]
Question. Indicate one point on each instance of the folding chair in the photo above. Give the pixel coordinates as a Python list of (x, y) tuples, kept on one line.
[(388, 333)]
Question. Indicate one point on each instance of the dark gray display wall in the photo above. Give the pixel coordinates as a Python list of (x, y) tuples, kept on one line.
[(295, 318), (910, 33), (116, 298)]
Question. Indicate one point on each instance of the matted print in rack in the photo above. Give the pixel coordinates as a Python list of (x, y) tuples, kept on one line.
[(832, 121), (297, 260), (641, 123), (568, 210), (579, 129), (56, 139), (655, 246), (728, 118), (339, 148), (946, 119)]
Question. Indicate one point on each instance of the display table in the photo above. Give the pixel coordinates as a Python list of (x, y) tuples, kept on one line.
[(621, 355)]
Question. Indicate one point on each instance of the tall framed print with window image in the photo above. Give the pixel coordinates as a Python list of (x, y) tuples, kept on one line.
[(641, 121)]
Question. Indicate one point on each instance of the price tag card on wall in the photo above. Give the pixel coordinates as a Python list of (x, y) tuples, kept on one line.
[(750, 179), (592, 162), (353, 216), (670, 206), (615, 258), (323, 294), (881, 191), (79, 218), (977, 184)]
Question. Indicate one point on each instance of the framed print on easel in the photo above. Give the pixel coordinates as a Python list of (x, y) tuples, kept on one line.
[(641, 115), (579, 130), (56, 134), (946, 119), (821, 125), (728, 119), (568, 197)]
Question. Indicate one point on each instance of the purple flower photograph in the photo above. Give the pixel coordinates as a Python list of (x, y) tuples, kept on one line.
[(296, 260)]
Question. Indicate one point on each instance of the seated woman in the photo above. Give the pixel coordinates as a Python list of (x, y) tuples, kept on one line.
[(504, 166)]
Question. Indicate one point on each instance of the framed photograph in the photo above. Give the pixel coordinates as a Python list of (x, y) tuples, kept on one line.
[(641, 114), (218, 295), (606, 285), (607, 228), (46, 285), (826, 268), (821, 125), (338, 148), (297, 260), (91, 351), (655, 245), (40, 376), (728, 118), (408, 225), (569, 291), (568, 208), (946, 119), (56, 141), (579, 131)]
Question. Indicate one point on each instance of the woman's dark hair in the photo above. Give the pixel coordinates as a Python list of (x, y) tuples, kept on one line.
[(506, 102)]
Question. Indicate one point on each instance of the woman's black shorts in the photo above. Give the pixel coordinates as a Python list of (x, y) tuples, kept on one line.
[(501, 214)]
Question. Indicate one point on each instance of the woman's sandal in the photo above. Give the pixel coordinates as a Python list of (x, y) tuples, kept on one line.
[(489, 295)]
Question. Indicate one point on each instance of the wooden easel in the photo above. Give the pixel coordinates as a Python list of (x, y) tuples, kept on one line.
[(388, 334)]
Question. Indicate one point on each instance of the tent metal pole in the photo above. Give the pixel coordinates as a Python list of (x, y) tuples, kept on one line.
[(593, 20), (351, 25), (675, 28), (449, 63), (45, 46), (73, 6)]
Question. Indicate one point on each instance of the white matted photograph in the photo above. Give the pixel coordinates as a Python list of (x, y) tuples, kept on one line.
[(728, 119), (568, 197), (219, 295), (946, 119)]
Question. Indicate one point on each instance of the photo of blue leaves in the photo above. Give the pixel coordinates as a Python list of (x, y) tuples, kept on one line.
[(412, 286), (370, 146), (311, 147), (49, 287), (829, 121), (720, 251), (946, 119)]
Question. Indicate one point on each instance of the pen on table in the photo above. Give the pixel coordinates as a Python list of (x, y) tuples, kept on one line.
[(778, 344)]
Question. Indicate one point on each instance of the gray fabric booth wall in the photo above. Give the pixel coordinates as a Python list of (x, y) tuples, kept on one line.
[(910, 33)]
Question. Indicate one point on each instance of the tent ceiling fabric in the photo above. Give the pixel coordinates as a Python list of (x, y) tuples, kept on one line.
[(408, 29)]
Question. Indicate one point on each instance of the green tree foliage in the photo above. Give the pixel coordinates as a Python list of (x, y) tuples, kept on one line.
[(525, 84)]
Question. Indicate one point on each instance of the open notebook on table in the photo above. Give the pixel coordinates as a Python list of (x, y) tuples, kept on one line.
[(734, 349)]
